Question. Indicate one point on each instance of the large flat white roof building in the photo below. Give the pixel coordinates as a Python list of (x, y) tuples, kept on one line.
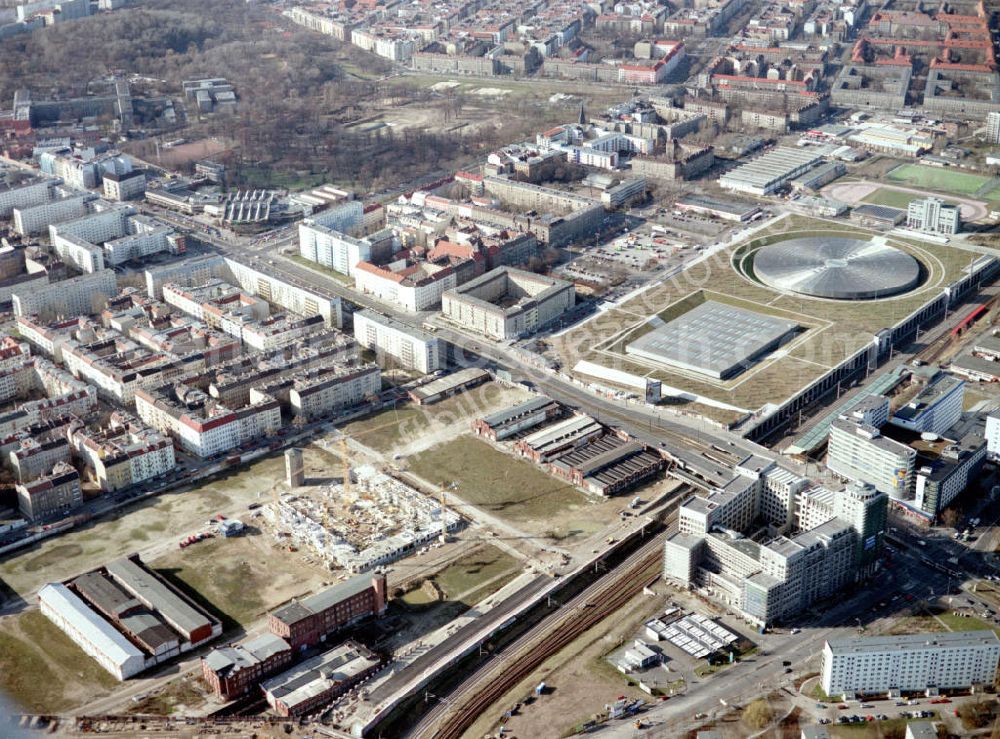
[(769, 172), (916, 662), (93, 634)]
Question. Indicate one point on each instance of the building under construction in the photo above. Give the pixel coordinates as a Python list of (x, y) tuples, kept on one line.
[(362, 523)]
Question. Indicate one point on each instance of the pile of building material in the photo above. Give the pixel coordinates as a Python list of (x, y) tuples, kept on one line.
[(370, 521)]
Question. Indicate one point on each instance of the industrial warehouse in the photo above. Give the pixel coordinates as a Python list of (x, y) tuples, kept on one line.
[(307, 622), (573, 447), (319, 680), (127, 617), (771, 171)]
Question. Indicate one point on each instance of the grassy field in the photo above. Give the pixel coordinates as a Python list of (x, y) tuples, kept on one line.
[(955, 622), (388, 429), (239, 578), (894, 198), (331, 273), (500, 484), (937, 621), (42, 669), (937, 178), (470, 578), (135, 528)]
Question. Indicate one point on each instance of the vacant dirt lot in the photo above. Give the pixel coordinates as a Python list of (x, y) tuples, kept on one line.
[(513, 489), (151, 528)]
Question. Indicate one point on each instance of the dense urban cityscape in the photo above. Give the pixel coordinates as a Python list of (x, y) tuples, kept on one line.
[(464, 369)]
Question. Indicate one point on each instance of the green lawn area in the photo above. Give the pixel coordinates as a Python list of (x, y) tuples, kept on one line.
[(331, 273), (893, 198), (497, 482), (946, 620), (470, 578), (42, 669), (937, 178), (956, 622), (387, 429)]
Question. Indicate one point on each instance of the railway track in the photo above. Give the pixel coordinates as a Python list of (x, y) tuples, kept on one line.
[(456, 713)]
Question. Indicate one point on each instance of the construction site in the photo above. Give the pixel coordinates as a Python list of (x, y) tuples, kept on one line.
[(367, 519)]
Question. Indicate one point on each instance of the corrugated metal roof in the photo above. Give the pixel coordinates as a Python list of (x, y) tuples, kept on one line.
[(151, 590), (91, 627)]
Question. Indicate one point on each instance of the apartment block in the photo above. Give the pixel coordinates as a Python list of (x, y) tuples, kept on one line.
[(398, 343), (26, 194), (35, 219), (201, 425), (322, 391), (199, 270), (950, 660), (56, 492), (123, 454)]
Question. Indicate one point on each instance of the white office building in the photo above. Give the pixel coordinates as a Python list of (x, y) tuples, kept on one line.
[(935, 409), (931, 215), (858, 451), (993, 436), (839, 539), (912, 663), (403, 345)]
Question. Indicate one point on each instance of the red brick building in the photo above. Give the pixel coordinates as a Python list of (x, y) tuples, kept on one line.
[(235, 670), (304, 623)]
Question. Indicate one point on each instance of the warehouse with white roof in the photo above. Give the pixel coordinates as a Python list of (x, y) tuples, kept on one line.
[(771, 171), (96, 637)]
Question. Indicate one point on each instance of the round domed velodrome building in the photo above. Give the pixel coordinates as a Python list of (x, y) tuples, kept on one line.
[(836, 268)]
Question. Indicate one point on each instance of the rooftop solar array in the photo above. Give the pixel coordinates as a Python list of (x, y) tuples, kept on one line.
[(695, 634)]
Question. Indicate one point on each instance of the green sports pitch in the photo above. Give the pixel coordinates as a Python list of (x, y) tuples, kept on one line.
[(937, 178)]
